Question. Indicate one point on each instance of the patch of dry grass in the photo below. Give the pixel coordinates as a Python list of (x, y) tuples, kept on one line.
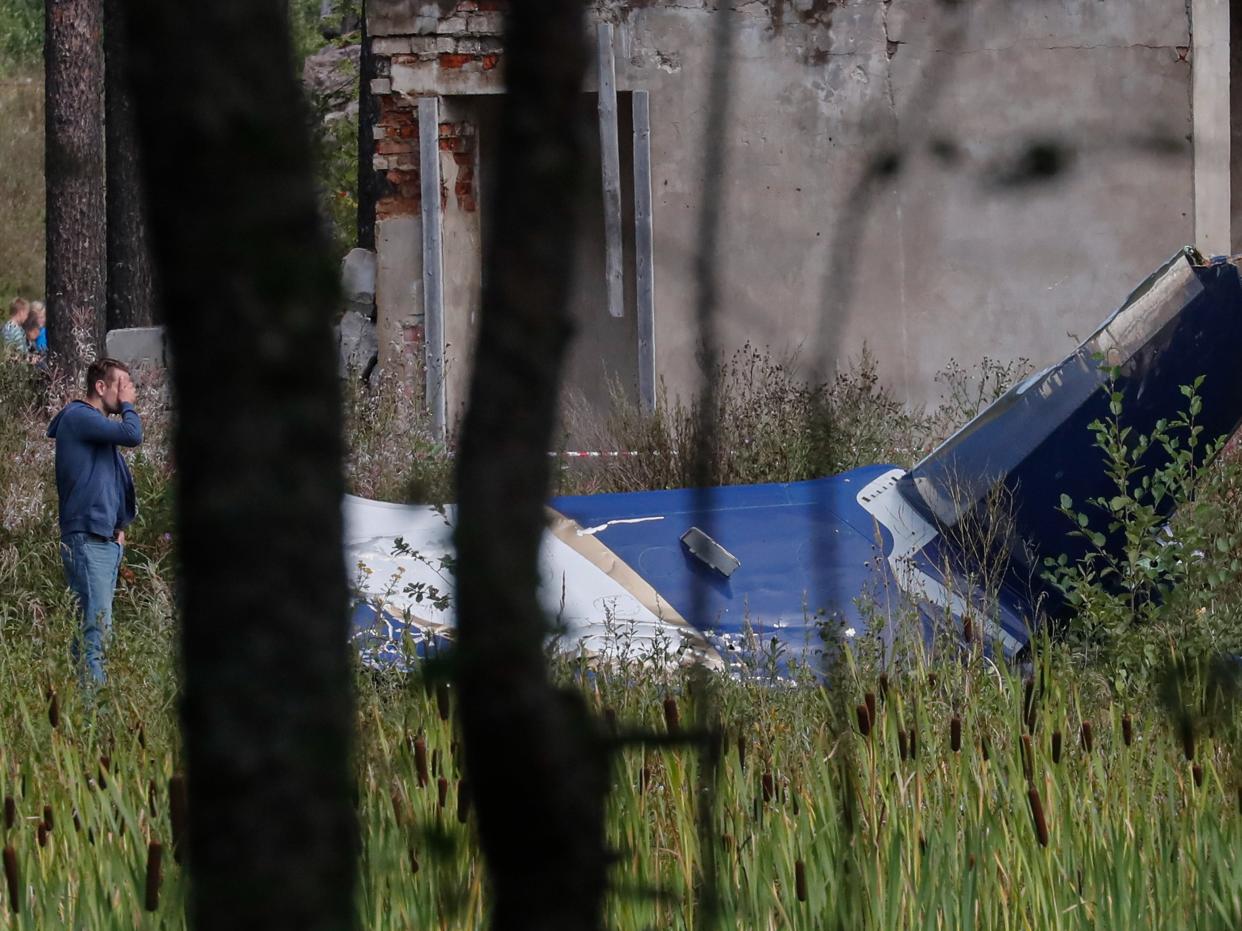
[(21, 186)]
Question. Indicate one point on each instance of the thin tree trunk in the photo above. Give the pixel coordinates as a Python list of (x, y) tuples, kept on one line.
[(131, 293), (249, 290), (368, 115), (76, 232), (537, 768)]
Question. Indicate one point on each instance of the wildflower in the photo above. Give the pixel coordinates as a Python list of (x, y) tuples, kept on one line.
[(850, 632)]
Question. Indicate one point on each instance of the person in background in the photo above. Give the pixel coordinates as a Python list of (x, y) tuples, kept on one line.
[(12, 334), (38, 310), (97, 501)]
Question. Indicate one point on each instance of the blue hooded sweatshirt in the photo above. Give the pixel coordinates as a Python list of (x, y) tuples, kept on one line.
[(95, 488)]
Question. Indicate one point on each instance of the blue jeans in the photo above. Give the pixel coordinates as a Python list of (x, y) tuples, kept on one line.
[(91, 564)]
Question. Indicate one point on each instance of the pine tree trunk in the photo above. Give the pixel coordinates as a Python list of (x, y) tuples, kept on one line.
[(131, 293), (249, 291), (536, 764), (76, 230)]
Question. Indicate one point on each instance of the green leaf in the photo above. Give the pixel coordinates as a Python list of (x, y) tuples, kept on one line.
[(1066, 501)]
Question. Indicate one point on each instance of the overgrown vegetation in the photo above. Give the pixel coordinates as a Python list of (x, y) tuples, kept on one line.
[(947, 791)]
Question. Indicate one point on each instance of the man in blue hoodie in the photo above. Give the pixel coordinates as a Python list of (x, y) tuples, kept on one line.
[(97, 500)]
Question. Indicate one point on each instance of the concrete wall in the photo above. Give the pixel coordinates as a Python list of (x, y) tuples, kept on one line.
[(959, 252)]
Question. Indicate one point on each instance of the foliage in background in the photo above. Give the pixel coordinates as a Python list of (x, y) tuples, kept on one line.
[(21, 186), (21, 36)]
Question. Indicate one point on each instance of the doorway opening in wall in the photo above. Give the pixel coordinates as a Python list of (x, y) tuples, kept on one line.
[(603, 354)]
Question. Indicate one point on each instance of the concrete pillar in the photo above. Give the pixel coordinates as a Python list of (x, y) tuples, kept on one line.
[(1212, 109)]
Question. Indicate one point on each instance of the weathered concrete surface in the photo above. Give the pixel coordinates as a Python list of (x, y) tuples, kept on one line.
[(137, 346), (966, 250)]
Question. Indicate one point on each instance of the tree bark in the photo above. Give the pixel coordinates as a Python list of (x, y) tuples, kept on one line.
[(131, 292), (76, 231), (249, 291), (537, 767)]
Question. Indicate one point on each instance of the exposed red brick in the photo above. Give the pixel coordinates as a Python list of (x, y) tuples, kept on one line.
[(412, 334), (454, 60), (464, 159), (397, 207), (392, 147), (490, 61), (493, 6), (451, 129), (454, 144)]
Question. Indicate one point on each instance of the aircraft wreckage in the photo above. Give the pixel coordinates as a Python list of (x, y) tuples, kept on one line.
[(790, 566)]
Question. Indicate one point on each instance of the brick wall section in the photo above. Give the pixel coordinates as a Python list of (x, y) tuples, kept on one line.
[(466, 39)]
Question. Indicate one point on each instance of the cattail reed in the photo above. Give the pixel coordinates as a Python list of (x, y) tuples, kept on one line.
[(463, 801), (1028, 758), (155, 858), (41, 834), (10, 812), (864, 720), (47, 817), (398, 807), (1127, 730), (741, 750), (914, 741), (1088, 737), (53, 709), (800, 880), (420, 760), (1037, 815), (1196, 771), (11, 879), (869, 699), (441, 791), (955, 734), (672, 717), (442, 700), (968, 629), (903, 748), (769, 787), (1188, 739), (1056, 747), (178, 815)]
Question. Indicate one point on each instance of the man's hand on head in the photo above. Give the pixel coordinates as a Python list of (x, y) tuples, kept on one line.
[(125, 390)]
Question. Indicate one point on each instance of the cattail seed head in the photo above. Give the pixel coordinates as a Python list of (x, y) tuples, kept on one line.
[(968, 629), (47, 817), (914, 741), (1188, 738), (413, 860), (1197, 772), (931, 680), (1056, 746), (672, 717), (105, 765), (463, 801), (1127, 730), (155, 874), (53, 710), (420, 760), (864, 720), (955, 734), (726, 841), (800, 880), (10, 812), (884, 686), (398, 807), (984, 749), (769, 787), (1037, 816), (442, 700), (741, 750), (142, 737), (77, 821), (903, 749), (12, 880), (152, 807), (178, 815), (869, 699), (41, 834), (1088, 737), (1028, 703), (441, 791), (1028, 758)]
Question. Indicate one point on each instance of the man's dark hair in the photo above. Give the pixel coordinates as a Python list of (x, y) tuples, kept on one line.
[(101, 370)]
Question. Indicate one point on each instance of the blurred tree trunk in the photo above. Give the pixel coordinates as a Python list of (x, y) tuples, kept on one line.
[(536, 765), (131, 294), (249, 290), (74, 151), (368, 115)]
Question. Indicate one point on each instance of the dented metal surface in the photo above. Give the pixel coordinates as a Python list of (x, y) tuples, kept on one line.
[(793, 570)]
